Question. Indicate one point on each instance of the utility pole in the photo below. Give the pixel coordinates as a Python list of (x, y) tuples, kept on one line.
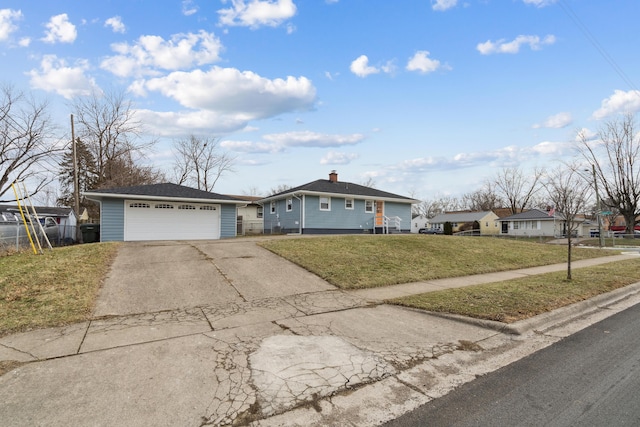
[(598, 208), (76, 186)]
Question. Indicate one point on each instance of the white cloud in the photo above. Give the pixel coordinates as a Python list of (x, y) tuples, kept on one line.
[(506, 156), (56, 76), (251, 147), (8, 17), (587, 134), (540, 3), (501, 46), (230, 91), (422, 63), (619, 102), (337, 158), (115, 22), (256, 13), (313, 139), (190, 122), (188, 8), (442, 5), (278, 142), (24, 42), (556, 121), (59, 29), (151, 53), (361, 68)]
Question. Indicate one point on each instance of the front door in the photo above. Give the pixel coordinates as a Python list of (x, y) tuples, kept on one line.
[(379, 213)]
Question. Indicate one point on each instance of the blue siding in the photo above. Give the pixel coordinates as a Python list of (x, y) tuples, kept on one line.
[(402, 210), (338, 218), (112, 220), (281, 220), (228, 221)]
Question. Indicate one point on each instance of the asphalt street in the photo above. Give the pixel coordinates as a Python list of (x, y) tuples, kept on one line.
[(590, 378)]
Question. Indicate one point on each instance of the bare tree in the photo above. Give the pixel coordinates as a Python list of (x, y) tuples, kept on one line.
[(280, 188), (106, 123), (615, 155), (28, 148), (484, 199), (568, 192), (432, 207), (369, 182), (200, 162), (517, 189)]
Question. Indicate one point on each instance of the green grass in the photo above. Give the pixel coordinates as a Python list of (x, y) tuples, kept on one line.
[(519, 299), (352, 262), (56, 288)]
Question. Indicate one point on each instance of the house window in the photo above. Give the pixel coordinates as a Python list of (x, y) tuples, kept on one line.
[(325, 203), (516, 225), (259, 212), (368, 206), (348, 203), (139, 205), (289, 204), (273, 206)]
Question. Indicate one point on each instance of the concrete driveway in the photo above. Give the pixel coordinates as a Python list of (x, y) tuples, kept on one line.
[(158, 276), (224, 332)]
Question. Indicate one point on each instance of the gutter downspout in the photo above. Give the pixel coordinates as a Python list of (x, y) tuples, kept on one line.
[(300, 222)]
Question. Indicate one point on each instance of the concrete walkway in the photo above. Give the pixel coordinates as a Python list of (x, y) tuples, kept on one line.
[(215, 333)]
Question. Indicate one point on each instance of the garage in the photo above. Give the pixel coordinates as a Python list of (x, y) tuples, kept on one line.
[(164, 212), (153, 220)]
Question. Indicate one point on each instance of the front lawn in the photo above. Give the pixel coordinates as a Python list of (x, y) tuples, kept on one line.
[(366, 261), (56, 288)]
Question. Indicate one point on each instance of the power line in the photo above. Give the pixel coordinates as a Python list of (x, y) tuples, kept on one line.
[(592, 39)]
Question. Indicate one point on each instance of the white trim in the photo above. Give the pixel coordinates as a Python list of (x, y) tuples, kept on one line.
[(328, 203), (353, 202)]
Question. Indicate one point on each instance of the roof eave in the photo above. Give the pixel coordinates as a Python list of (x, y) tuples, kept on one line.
[(99, 196), (325, 193)]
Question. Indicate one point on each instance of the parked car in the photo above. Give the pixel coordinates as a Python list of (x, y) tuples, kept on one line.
[(13, 231), (430, 231)]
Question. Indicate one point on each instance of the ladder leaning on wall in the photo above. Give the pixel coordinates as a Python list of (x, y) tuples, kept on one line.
[(24, 202)]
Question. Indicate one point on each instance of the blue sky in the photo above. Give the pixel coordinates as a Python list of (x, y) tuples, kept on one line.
[(427, 98)]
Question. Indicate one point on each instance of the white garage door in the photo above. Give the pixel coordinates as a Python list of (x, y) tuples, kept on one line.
[(149, 220)]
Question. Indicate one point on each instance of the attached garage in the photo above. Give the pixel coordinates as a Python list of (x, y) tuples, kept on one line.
[(170, 221), (164, 212)]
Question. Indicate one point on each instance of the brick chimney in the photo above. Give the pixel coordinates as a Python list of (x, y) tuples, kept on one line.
[(333, 176)]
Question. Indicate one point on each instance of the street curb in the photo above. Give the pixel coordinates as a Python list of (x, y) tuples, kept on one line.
[(553, 318)]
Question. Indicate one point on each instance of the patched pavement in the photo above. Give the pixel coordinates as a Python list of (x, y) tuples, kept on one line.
[(221, 333)]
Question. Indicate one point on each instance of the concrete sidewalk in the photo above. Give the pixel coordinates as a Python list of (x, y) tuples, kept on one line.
[(241, 336)]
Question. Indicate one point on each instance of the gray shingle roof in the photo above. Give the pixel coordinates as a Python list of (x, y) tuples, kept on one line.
[(164, 190), (40, 210), (459, 217), (340, 187), (529, 215)]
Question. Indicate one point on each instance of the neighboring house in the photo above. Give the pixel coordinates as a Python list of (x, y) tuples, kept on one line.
[(617, 223), (250, 215), (164, 212), (64, 217), (486, 222), (336, 207), (418, 222), (536, 222)]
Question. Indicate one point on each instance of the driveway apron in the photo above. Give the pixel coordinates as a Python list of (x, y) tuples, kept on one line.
[(158, 276)]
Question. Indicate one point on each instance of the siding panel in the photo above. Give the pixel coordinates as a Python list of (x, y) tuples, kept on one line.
[(112, 220)]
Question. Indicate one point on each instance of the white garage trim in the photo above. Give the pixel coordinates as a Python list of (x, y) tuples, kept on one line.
[(163, 220)]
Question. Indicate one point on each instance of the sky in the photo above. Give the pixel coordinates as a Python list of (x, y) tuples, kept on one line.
[(423, 97)]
